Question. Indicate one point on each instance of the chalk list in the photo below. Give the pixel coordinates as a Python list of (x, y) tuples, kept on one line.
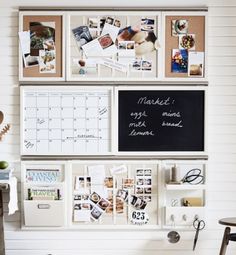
[(160, 120)]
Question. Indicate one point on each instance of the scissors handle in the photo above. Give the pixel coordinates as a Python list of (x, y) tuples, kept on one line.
[(199, 224)]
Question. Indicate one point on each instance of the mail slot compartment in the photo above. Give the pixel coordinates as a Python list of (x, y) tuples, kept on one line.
[(43, 213)]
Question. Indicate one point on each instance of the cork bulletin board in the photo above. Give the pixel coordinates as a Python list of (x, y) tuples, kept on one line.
[(196, 26), (40, 21)]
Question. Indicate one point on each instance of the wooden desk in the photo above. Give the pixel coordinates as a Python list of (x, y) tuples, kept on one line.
[(227, 235)]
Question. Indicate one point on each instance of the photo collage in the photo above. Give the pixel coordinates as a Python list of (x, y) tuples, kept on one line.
[(38, 46), (94, 195), (108, 41), (186, 59)]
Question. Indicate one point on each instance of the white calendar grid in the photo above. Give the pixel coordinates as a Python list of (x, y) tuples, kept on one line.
[(66, 122)]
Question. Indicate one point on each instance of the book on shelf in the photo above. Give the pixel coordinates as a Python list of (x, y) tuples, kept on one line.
[(43, 175)]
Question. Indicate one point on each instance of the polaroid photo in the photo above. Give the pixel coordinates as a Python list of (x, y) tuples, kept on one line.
[(79, 182), (147, 181), (196, 64), (122, 194), (148, 172), (147, 190), (126, 49), (140, 204), (119, 205), (127, 183), (136, 65), (139, 190), (108, 182), (117, 23), (187, 42), (30, 61), (102, 46), (147, 24), (139, 172), (96, 213), (146, 65), (179, 61), (82, 212), (47, 61), (93, 22), (147, 198), (133, 199), (82, 35), (103, 204), (179, 27), (94, 197), (109, 20), (139, 181)]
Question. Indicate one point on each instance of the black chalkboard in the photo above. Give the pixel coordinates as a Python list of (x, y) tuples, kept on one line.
[(161, 120)]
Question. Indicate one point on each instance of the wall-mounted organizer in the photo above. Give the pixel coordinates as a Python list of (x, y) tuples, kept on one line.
[(185, 192), (44, 194), (113, 45), (87, 194), (42, 46), (113, 118), (90, 121)]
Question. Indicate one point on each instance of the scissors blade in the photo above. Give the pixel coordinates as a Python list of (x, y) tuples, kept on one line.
[(196, 236)]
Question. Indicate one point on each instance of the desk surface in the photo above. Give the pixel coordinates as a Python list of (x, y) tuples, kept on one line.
[(228, 221)]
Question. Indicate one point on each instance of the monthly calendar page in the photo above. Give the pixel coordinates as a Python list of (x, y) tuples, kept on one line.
[(66, 121)]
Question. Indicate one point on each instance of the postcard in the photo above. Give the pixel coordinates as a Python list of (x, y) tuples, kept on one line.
[(82, 212), (111, 30), (118, 169), (147, 24), (82, 35), (114, 64), (97, 174), (179, 61), (187, 41), (47, 61), (102, 46), (126, 49), (196, 63), (179, 27)]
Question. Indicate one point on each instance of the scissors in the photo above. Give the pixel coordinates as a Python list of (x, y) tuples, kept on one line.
[(198, 225)]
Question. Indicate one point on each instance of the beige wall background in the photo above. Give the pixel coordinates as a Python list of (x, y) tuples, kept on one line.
[(221, 134)]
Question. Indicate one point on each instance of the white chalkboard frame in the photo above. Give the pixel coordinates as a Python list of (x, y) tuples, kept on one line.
[(33, 88), (165, 154)]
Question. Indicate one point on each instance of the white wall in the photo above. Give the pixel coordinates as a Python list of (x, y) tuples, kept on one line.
[(222, 142)]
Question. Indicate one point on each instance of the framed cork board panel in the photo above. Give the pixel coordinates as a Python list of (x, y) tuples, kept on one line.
[(185, 45), (45, 60)]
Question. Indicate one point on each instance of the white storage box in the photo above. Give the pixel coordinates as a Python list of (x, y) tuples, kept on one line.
[(43, 213)]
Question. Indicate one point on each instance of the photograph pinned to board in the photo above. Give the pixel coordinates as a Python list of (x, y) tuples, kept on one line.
[(86, 65), (147, 24), (187, 41), (179, 27), (82, 35), (196, 64), (179, 61), (47, 61), (24, 38), (101, 46), (141, 65), (93, 22)]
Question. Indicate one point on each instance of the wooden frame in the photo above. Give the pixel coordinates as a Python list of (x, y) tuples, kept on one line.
[(32, 73), (203, 16), (163, 153)]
